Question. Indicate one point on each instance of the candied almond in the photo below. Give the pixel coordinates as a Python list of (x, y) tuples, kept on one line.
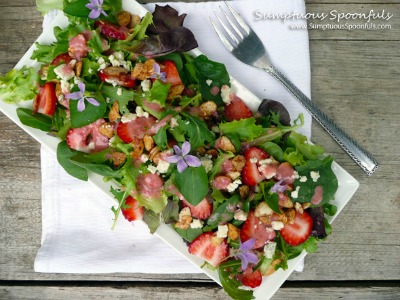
[(184, 222), (290, 215), (216, 241), (118, 158), (208, 109), (271, 268), (233, 232), (135, 20), (124, 18), (148, 142), (138, 147), (107, 130), (59, 93), (262, 210), (78, 68), (244, 191), (175, 91), (238, 162), (285, 201), (298, 207), (306, 205), (225, 144), (144, 70), (114, 115)]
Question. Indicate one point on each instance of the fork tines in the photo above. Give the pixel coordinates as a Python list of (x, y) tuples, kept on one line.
[(240, 29)]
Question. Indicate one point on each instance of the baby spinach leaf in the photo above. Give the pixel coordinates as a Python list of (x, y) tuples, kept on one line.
[(189, 234), (224, 212), (193, 184), (64, 153), (244, 129), (38, 121), (90, 114), (196, 130)]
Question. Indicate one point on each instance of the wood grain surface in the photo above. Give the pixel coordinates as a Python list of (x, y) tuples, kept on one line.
[(355, 79)]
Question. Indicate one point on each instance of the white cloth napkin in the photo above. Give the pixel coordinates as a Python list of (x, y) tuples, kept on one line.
[(76, 217)]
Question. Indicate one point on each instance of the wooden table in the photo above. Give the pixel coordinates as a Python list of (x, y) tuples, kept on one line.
[(355, 78)]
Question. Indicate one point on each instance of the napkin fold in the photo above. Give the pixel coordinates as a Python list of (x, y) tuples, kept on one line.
[(76, 216)]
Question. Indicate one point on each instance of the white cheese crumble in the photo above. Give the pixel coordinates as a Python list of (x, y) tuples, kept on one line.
[(277, 225), (173, 123), (269, 249), (127, 117), (253, 160), (234, 185), (295, 193), (240, 215), (303, 179), (143, 158), (226, 94), (162, 166), (314, 175), (63, 72), (145, 84), (152, 169), (208, 81), (222, 231), (196, 223), (119, 91), (266, 161), (141, 113), (184, 212)]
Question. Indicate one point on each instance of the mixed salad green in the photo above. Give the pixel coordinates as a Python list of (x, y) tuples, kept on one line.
[(127, 101)]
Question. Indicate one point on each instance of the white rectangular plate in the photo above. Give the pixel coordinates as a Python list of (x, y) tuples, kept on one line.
[(347, 184)]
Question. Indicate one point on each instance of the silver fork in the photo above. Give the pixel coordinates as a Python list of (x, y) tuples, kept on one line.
[(246, 46)]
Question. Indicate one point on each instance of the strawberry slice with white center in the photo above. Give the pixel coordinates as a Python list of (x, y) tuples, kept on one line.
[(251, 174), (88, 138), (210, 248), (298, 232), (45, 100), (132, 211), (201, 211), (254, 228), (111, 30), (135, 129)]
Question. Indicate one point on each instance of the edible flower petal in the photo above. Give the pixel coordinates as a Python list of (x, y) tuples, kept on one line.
[(245, 253), (80, 96), (158, 74), (278, 187), (182, 157), (96, 8)]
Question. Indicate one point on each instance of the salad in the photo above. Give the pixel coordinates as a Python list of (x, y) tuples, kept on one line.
[(128, 101)]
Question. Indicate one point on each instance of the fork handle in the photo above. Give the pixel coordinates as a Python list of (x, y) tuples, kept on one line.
[(356, 152)]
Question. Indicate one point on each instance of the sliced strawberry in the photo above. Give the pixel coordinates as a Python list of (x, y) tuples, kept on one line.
[(298, 232), (251, 278), (62, 58), (208, 247), (201, 211), (133, 211), (172, 73), (237, 110), (118, 76), (251, 174), (111, 30), (88, 138), (135, 129), (45, 100), (254, 228)]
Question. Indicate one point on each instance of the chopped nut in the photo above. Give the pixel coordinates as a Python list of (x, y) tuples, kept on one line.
[(59, 93), (298, 207), (144, 70), (175, 91), (225, 144), (213, 153), (184, 222), (271, 268), (233, 175), (135, 20), (306, 205), (124, 18), (107, 130), (114, 115), (285, 201), (217, 240), (207, 109), (233, 232), (148, 142), (201, 151), (153, 153), (78, 68), (238, 162), (138, 147), (244, 191), (266, 220), (118, 158), (290, 215)]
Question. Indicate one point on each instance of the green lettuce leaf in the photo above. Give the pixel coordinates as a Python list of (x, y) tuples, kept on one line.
[(19, 85)]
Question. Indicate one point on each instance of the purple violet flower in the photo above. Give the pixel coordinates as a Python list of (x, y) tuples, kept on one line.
[(182, 158), (245, 253), (80, 96), (278, 187), (158, 74), (96, 8)]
